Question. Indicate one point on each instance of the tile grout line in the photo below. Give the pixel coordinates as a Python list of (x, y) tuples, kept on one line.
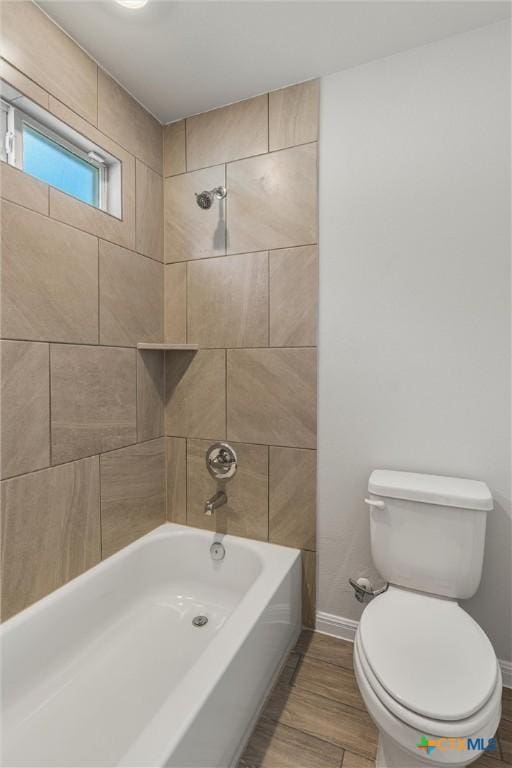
[(236, 253), (137, 357), (268, 122), (51, 94), (99, 292), (83, 230), (187, 278), (186, 481), (296, 670), (49, 408), (81, 458), (326, 741), (92, 345), (321, 739), (268, 494), (246, 442), (166, 460), (235, 160), (268, 297), (135, 203), (100, 508), (226, 393), (186, 149)]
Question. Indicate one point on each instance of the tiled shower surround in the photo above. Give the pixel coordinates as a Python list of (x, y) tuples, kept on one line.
[(241, 283), (101, 442)]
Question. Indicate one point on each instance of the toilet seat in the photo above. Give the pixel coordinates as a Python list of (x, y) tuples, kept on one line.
[(401, 731), (427, 658), (478, 723)]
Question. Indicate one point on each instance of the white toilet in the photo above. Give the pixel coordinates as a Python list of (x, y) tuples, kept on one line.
[(427, 672)]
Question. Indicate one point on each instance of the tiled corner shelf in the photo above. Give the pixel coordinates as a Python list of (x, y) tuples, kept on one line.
[(158, 347)]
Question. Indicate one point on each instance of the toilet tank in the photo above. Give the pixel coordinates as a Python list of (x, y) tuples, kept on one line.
[(427, 531)]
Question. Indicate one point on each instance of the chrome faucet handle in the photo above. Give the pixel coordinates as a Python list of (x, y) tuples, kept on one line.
[(221, 461)]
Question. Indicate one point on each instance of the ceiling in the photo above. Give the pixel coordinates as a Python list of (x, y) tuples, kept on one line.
[(181, 58)]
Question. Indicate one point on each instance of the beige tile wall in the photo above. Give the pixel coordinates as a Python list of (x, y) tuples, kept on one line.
[(81, 408), (241, 282), (85, 464)]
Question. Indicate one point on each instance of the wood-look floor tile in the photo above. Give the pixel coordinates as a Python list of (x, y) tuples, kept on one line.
[(289, 668), (486, 761), (324, 718), (494, 755), (506, 704), (329, 680), (273, 745), (308, 588), (326, 648), (351, 760), (505, 740), (317, 697)]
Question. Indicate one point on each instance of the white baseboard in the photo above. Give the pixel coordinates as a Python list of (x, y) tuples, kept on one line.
[(506, 673), (345, 629), (337, 626)]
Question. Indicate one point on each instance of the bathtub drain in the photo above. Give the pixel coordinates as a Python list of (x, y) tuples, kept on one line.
[(200, 621)]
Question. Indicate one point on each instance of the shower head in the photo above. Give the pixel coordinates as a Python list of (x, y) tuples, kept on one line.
[(205, 198)]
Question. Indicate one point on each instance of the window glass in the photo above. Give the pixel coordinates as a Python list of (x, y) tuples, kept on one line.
[(58, 167)]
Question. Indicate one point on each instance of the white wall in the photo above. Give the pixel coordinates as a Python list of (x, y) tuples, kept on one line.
[(415, 296)]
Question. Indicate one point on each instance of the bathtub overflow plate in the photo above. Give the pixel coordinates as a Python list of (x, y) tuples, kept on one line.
[(217, 551), (200, 621)]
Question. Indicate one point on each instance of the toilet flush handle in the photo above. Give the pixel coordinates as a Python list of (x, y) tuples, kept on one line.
[(375, 504)]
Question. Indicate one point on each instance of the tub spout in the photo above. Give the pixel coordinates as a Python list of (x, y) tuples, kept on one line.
[(216, 501)]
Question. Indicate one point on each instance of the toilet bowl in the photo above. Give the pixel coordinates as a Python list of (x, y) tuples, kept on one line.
[(442, 687), (426, 670)]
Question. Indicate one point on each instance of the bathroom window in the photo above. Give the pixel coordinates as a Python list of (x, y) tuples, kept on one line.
[(43, 146), (62, 166)]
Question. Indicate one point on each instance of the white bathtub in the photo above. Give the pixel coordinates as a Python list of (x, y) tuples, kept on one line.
[(109, 670)]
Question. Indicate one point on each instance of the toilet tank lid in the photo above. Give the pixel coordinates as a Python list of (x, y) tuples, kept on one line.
[(431, 489)]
